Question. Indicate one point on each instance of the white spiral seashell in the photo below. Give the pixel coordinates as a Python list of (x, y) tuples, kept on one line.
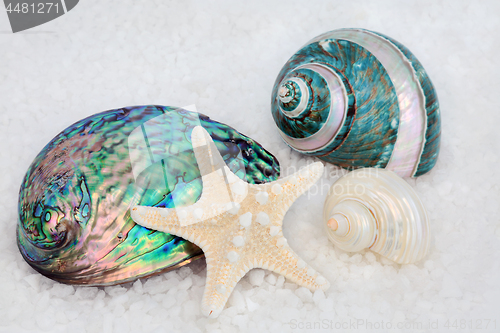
[(376, 209)]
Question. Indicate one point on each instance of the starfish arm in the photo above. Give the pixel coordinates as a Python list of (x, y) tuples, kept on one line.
[(166, 220), (222, 277), (290, 188), (283, 260), (222, 189), (206, 153), (237, 225), (161, 219), (214, 201), (214, 171)]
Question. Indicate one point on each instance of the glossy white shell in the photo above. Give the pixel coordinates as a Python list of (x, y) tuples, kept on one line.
[(376, 209)]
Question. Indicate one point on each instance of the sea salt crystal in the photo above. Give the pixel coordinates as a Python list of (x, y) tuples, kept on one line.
[(256, 276), (271, 279), (237, 300), (304, 294), (252, 306), (450, 288), (185, 284)]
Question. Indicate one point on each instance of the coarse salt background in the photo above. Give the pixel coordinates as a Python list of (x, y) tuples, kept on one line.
[(224, 56)]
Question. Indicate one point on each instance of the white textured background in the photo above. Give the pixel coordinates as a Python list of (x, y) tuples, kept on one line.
[(224, 57)]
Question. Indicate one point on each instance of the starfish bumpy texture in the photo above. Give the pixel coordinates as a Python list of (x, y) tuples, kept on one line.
[(237, 225)]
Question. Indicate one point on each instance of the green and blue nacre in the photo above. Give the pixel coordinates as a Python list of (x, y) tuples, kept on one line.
[(74, 222), (357, 98)]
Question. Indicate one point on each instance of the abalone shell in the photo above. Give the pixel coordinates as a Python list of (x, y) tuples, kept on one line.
[(74, 221)]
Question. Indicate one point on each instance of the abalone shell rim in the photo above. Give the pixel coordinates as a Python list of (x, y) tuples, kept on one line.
[(87, 280)]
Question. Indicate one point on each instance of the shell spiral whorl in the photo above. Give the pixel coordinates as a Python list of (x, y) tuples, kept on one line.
[(356, 98), (307, 96), (376, 209)]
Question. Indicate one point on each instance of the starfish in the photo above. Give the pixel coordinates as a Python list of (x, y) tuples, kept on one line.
[(237, 225)]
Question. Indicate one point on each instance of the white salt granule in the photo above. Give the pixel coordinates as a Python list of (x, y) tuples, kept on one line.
[(280, 281), (61, 290), (271, 278), (237, 300), (256, 276), (138, 286), (33, 281), (185, 284), (450, 288), (252, 306), (304, 294)]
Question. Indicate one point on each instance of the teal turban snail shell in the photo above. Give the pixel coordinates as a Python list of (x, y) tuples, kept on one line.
[(357, 98), (74, 223)]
